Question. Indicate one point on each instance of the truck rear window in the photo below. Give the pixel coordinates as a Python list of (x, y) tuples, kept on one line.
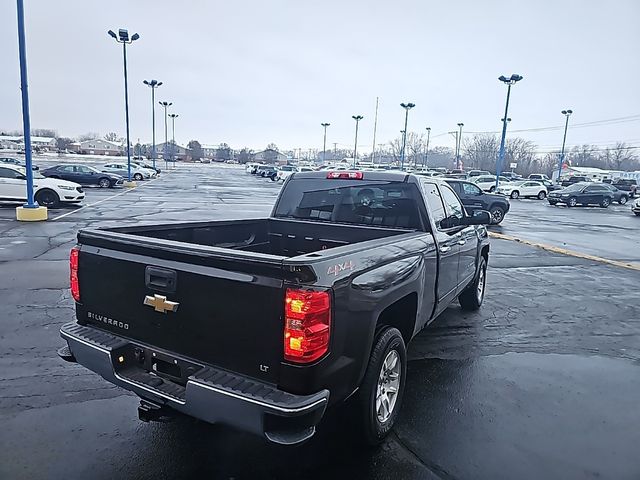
[(357, 202)]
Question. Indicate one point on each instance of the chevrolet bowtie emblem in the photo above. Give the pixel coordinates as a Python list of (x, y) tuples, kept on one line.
[(160, 303)]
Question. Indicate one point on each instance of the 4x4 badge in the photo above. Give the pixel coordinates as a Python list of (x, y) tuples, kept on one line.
[(160, 303)]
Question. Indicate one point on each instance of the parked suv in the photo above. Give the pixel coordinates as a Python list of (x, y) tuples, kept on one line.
[(627, 185), (574, 179), (583, 193), (474, 199)]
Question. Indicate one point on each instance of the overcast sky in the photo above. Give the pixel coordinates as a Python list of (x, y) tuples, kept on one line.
[(253, 72)]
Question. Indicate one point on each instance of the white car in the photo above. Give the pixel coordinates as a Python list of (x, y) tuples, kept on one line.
[(285, 171), (488, 182), (137, 173), (526, 188), (48, 192)]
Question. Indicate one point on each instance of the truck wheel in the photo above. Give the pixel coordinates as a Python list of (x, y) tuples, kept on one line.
[(497, 215), (471, 297), (380, 393), (605, 202), (623, 200)]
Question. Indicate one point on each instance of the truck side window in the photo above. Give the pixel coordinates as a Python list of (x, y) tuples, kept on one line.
[(451, 201), (433, 199)]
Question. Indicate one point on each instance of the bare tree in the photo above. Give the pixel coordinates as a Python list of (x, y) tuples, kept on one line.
[(415, 148), (621, 156), (88, 136), (395, 148), (44, 132), (272, 146), (481, 151), (111, 137)]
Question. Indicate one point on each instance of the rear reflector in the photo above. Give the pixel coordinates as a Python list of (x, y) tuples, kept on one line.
[(307, 325), (73, 277), (345, 175)]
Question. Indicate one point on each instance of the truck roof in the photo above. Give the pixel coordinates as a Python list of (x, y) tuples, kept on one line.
[(380, 175)]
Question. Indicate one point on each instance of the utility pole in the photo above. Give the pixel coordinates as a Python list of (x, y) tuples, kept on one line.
[(335, 151), (458, 165), (153, 84), (375, 127), (173, 134), (426, 153), (567, 114), (324, 143), (357, 118), (407, 107)]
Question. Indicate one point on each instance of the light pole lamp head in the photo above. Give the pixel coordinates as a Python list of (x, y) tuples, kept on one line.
[(461, 124), (135, 37), (325, 125), (516, 78), (428, 129), (123, 34), (508, 119), (357, 118), (113, 34), (511, 80), (407, 106), (567, 112)]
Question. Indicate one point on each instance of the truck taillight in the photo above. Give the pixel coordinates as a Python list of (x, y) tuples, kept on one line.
[(307, 325), (345, 175), (73, 277)]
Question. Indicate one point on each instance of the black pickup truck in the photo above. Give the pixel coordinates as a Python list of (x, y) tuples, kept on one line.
[(262, 324)]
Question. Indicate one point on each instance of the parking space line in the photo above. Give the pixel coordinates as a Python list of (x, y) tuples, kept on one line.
[(564, 251), (103, 200)]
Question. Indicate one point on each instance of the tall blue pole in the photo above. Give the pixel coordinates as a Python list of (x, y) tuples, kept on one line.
[(153, 121), (26, 121), (504, 134), (126, 108)]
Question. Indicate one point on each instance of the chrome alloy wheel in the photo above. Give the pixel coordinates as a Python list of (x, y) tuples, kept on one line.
[(388, 386)]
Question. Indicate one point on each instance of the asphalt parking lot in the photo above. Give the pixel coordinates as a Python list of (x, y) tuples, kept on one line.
[(542, 382)]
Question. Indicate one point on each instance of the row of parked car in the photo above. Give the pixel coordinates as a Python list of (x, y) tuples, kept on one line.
[(63, 183)]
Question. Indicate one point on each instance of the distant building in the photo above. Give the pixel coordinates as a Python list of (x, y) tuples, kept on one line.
[(40, 143), (179, 153), (99, 146), (209, 151), (10, 143), (270, 156)]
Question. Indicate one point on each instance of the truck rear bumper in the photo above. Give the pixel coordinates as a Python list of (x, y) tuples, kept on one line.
[(210, 394)]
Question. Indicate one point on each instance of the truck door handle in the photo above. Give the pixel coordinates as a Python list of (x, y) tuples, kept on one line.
[(462, 241), (444, 248)]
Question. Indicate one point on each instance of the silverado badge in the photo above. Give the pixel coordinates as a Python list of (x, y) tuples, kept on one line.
[(160, 303)]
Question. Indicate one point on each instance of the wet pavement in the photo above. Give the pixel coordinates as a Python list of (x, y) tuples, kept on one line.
[(542, 382)]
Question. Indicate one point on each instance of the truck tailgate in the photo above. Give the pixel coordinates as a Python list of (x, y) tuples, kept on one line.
[(224, 316)]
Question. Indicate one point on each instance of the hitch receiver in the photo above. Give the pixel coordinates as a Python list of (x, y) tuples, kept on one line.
[(152, 412)]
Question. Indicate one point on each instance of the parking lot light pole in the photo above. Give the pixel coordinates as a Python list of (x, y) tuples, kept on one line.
[(407, 107), (426, 153), (165, 105), (173, 117), (153, 84), (460, 125), (30, 211), (357, 118), (124, 39), (508, 81), (324, 144), (567, 114)]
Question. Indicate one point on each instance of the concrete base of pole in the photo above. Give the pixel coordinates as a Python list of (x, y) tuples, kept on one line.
[(37, 214), (129, 184)]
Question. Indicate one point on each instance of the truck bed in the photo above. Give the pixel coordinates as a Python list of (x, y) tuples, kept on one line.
[(279, 237)]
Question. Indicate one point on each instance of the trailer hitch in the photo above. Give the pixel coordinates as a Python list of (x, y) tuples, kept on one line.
[(152, 412)]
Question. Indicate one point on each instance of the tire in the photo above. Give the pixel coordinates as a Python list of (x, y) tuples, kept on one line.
[(572, 202), (553, 203), (471, 297), (375, 424), (606, 201), (492, 189), (104, 183), (623, 200), (138, 177), (542, 195), (637, 214), (47, 198), (515, 194), (497, 215)]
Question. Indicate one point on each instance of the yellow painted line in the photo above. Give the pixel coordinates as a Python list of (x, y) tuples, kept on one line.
[(127, 190), (564, 251)]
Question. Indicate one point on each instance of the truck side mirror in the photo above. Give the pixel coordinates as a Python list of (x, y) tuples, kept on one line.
[(479, 218)]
